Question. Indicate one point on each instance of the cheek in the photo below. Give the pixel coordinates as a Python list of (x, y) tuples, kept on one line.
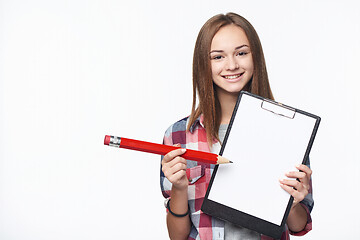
[(215, 68), (251, 69), (250, 65)]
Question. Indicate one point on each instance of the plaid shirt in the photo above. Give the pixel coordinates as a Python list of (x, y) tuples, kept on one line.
[(205, 227)]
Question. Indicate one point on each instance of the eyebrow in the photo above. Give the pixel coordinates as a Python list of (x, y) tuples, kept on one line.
[(220, 51)]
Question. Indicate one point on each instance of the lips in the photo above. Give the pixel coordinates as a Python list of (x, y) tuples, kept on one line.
[(233, 76)]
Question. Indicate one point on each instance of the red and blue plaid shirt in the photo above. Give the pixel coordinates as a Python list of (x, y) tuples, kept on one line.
[(205, 227)]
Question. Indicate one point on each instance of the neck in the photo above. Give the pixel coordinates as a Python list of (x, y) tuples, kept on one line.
[(227, 103)]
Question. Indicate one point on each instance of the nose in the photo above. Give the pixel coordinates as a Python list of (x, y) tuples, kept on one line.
[(232, 64)]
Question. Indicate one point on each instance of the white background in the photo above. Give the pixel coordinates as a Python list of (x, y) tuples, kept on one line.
[(73, 71)]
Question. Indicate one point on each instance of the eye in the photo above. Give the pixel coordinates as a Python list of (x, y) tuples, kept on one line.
[(243, 53), (216, 57)]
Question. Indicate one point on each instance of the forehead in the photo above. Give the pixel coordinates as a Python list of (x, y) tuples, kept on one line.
[(229, 36)]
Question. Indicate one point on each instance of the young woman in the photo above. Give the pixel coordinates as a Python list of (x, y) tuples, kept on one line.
[(228, 58)]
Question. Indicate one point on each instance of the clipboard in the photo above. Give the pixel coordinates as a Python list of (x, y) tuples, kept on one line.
[(265, 139)]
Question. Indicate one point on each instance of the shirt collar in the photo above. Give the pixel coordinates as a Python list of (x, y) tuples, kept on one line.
[(198, 121)]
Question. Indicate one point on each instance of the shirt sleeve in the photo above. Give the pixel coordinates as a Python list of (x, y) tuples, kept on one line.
[(308, 204)]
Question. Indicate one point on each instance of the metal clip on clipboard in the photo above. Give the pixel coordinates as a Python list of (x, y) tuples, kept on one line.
[(278, 109)]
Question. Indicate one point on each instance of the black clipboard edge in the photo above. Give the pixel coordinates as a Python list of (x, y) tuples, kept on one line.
[(246, 220), (313, 134), (256, 224)]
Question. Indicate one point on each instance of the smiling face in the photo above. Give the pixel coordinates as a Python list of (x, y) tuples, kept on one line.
[(231, 60)]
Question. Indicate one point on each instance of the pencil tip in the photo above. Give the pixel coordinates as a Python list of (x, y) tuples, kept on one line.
[(230, 161)]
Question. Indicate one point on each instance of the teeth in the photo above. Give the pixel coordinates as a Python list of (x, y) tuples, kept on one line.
[(232, 77)]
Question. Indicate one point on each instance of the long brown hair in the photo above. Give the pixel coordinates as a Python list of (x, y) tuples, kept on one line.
[(203, 85)]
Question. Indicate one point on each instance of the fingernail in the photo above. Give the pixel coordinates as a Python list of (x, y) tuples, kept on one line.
[(298, 165), (183, 150)]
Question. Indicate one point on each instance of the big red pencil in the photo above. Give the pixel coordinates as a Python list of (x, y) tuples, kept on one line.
[(161, 149)]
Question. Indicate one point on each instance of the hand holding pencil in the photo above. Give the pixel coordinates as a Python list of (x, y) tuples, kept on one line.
[(173, 165), (162, 149)]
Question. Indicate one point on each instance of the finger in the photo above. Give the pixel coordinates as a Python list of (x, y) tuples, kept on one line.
[(305, 169), (174, 161), (295, 188), (296, 174), (298, 197), (301, 177), (171, 155), (177, 176), (174, 166), (292, 183), (170, 169)]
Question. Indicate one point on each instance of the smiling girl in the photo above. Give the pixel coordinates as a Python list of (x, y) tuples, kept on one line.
[(228, 58)]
